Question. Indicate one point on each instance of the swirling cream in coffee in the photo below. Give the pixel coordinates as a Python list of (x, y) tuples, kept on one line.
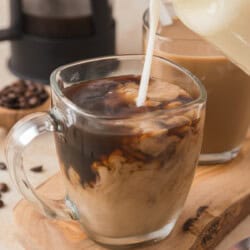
[(131, 167)]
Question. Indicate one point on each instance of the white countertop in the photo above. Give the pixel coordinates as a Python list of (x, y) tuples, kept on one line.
[(129, 41)]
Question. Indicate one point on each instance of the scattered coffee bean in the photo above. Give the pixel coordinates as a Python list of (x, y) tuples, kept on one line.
[(200, 211), (23, 95), (1, 204), (37, 169), (3, 166), (3, 187), (188, 224)]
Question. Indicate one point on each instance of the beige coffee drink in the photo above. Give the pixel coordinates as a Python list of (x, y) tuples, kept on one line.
[(228, 88), (132, 179)]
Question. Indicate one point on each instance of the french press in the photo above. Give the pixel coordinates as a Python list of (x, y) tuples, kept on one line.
[(45, 34)]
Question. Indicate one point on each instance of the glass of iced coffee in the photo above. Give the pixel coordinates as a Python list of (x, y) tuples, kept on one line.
[(127, 170), (228, 87)]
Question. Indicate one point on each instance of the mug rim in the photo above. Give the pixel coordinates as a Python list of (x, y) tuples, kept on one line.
[(54, 78)]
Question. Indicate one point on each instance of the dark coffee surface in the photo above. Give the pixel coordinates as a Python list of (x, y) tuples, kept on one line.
[(117, 96), (87, 144)]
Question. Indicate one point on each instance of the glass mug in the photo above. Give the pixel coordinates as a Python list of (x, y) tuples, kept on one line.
[(227, 86), (126, 198)]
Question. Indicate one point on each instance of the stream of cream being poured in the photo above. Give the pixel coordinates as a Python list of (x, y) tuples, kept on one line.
[(154, 11)]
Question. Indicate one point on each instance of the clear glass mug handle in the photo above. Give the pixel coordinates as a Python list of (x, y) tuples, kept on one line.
[(22, 134)]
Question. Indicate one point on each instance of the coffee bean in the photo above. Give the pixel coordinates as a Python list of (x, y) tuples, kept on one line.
[(33, 101), (29, 93), (4, 98), (23, 105), (1, 204), (23, 95), (188, 224), (20, 83), (11, 96), (3, 187), (37, 169), (3, 166), (201, 210), (19, 90), (31, 88), (21, 99), (39, 89)]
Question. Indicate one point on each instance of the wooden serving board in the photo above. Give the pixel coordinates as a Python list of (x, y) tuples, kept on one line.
[(219, 199)]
